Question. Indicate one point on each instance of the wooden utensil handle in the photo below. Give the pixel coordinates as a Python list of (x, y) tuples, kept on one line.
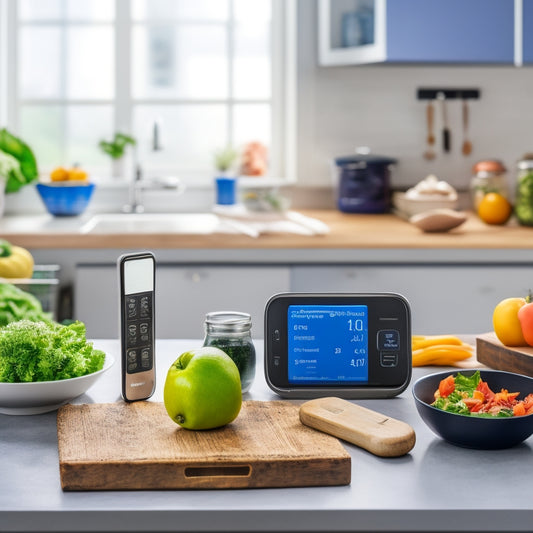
[(373, 431)]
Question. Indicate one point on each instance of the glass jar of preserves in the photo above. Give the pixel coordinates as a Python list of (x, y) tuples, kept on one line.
[(488, 176), (231, 332), (524, 191)]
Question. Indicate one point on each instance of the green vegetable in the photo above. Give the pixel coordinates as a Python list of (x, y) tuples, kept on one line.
[(5, 248), (467, 384), (41, 351), (16, 304), (17, 162), (116, 147), (524, 200)]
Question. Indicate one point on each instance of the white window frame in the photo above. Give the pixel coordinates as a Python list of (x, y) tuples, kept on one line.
[(283, 99)]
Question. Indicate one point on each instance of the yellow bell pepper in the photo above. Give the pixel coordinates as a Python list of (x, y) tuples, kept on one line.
[(15, 261)]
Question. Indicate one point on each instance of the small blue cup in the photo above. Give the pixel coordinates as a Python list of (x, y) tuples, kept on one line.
[(226, 190)]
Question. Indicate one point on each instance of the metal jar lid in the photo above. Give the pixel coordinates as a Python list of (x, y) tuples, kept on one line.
[(526, 162)]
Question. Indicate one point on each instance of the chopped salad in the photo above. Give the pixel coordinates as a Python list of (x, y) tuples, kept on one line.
[(471, 396)]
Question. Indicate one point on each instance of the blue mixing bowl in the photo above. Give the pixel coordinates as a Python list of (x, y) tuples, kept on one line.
[(65, 199)]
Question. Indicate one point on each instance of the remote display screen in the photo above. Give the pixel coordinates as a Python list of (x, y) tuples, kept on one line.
[(327, 343)]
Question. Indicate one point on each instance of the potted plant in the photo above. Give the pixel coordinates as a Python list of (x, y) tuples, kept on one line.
[(116, 149), (18, 166), (225, 184), (224, 159)]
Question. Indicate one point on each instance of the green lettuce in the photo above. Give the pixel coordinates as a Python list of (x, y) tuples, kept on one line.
[(16, 304), (17, 162), (467, 383), (46, 351)]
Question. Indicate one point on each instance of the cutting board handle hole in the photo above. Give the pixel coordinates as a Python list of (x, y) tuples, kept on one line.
[(218, 471)]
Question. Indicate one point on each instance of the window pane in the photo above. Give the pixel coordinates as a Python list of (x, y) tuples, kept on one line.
[(66, 135), (77, 63), (191, 134), (251, 68), (85, 127), (252, 122), (86, 10), (42, 129), (179, 9), (40, 62), (258, 11), (90, 62), (185, 61)]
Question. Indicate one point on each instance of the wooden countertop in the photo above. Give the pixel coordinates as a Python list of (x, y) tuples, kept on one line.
[(347, 231)]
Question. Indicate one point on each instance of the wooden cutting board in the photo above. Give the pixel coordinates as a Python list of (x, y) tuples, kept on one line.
[(491, 352), (121, 446)]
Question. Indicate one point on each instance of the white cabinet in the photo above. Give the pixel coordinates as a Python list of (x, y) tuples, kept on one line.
[(184, 294), (416, 31), (444, 298)]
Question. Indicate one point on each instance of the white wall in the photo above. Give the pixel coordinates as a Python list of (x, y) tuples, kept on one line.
[(340, 108)]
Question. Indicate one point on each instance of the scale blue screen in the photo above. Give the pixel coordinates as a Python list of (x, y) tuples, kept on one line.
[(327, 343)]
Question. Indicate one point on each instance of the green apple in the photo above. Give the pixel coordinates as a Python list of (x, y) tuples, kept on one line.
[(203, 389)]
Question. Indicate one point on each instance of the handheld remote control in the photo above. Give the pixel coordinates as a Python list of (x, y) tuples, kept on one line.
[(137, 328)]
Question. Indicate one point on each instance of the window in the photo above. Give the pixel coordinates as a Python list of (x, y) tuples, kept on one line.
[(209, 73)]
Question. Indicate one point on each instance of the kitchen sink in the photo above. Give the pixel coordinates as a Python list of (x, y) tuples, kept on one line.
[(186, 223)]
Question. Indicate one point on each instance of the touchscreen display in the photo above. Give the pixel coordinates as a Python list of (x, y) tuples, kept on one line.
[(327, 343)]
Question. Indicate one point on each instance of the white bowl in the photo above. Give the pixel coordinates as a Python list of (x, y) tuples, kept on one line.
[(43, 396), (411, 206)]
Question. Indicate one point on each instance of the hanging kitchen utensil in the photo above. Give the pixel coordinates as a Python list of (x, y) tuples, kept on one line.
[(446, 135), (430, 115), (467, 144)]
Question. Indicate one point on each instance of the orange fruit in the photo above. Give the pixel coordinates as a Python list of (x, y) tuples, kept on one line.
[(494, 208), (59, 174), (77, 174)]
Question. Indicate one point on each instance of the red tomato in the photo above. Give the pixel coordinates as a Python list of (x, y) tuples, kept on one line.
[(525, 316), (485, 389), (447, 386), (474, 404)]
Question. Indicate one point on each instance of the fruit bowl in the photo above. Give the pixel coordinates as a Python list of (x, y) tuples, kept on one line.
[(470, 431), (43, 396), (66, 198)]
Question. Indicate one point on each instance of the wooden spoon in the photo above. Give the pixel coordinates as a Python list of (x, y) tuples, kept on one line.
[(430, 114), (467, 145)]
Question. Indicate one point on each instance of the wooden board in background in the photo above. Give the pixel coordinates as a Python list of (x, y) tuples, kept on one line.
[(491, 352), (122, 446)]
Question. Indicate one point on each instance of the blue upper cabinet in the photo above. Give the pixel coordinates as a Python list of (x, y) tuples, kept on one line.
[(417, 31), (526, 34)]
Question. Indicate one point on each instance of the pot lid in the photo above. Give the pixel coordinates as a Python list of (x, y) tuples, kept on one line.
[(362, 154), (369, 159)]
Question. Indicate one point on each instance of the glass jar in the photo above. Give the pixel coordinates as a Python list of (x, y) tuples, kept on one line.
[(488, 176), (231, 332), (524, 191)]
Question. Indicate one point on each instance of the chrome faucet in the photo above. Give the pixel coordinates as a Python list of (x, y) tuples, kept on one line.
[(135, 201), (137, 183)]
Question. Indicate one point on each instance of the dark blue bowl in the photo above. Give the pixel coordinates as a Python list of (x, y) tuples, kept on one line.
[(65, 199), (469, 431)]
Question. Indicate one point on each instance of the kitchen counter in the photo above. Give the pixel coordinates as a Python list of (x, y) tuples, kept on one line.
[(436, 487), (347, 231)]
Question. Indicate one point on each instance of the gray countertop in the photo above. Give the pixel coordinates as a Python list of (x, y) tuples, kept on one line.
[(436, 487)]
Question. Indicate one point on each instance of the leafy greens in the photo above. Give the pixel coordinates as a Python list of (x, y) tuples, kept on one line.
[(46, 351), (17, 162), (16, 304)]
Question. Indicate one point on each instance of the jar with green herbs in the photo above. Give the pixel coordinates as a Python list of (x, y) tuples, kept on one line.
[(524, 191), (231, 332)]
